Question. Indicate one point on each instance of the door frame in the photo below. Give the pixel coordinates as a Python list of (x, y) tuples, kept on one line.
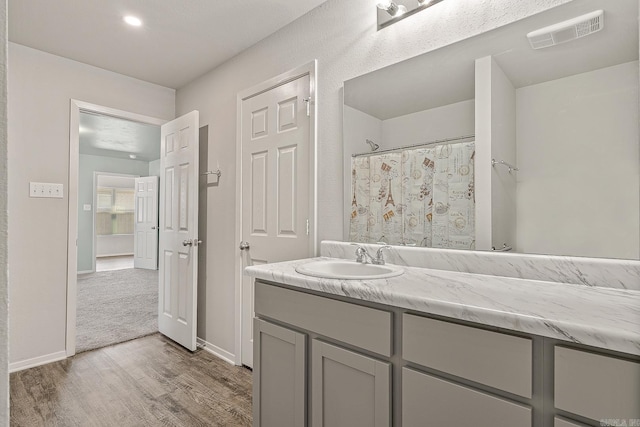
[(94, 246), (75, 108), (309, 69)]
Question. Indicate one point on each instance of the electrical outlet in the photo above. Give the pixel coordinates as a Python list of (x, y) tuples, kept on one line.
[(46, 189)]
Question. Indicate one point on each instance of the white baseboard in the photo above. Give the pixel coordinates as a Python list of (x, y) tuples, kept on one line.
[(37, 361), (85, 272), (114, 255), (217, 351)]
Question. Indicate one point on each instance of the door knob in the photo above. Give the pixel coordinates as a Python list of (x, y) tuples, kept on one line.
[(153, 227), (187, 243), (244, 246)]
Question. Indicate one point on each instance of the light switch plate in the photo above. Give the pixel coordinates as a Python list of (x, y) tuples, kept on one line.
[(86, 207), (46, 189)]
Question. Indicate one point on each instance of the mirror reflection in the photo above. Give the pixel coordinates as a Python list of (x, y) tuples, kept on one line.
[(503, 141)]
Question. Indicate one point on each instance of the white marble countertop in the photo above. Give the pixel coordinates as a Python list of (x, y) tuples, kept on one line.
[(601, 317)]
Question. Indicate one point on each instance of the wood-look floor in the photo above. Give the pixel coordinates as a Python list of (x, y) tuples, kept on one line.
[(149, 381)]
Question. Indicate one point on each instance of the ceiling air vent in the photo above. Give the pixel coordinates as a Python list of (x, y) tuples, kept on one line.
[(567, 30)]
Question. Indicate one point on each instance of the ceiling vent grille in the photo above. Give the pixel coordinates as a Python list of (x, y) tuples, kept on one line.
[(565, 31)]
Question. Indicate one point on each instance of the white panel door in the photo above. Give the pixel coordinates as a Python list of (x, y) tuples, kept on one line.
[(179, 230), (275, 144), (145, 241)]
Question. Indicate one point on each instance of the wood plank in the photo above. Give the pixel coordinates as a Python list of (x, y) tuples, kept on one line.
[(149, 381)]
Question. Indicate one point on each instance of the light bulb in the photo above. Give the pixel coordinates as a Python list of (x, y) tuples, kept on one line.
[(392, 8), (133, 21), (401, 10)]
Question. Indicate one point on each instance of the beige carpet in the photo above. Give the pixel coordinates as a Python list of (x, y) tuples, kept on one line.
[(115, 306)]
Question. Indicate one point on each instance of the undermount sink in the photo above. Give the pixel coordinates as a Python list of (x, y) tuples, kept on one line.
[(348, 270)]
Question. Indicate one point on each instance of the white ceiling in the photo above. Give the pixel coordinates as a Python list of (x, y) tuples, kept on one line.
[(446, 76), (113, 137), (178, 41)]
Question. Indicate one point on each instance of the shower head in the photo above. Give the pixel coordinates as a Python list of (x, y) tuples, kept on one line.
[(372, 144)]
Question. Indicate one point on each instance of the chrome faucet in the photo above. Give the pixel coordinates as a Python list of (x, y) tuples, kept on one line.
[(362, 256)]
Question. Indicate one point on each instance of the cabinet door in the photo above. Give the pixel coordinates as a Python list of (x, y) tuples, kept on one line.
[(348, 389), (430, 401), (596, 386), (279, 397), (559, 422)]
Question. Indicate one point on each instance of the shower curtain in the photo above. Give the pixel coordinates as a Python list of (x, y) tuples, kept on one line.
[(418, 197)]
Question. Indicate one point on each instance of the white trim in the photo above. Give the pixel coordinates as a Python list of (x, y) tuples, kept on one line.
[(309, 69), (217, 351), (119, 254), (72, 231), (85, 272), (37, 361)]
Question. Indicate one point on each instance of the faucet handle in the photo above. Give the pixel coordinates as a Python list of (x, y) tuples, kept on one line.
[(361, 253), (379, 254)]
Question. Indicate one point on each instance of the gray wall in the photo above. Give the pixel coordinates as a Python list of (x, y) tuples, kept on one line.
[(40, 88), (88, 165), (154, 168), (342, 36), (552, 131), (4, 316)]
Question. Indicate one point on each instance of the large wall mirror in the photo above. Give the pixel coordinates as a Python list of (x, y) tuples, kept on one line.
[(490, 144)]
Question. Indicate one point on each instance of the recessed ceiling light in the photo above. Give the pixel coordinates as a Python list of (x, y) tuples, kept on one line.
[(133, 21)]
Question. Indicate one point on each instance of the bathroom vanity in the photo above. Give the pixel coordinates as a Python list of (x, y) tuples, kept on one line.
[(433, 348), (474, 338)]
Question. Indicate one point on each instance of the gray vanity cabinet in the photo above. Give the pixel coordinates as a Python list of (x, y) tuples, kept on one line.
[(559, 422), (469, 354), (431, 401), (327, 361), (495, 359), (348, 389), (279, 376), (596, 386)]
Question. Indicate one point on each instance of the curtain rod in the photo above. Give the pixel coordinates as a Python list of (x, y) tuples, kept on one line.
[(423, 144)]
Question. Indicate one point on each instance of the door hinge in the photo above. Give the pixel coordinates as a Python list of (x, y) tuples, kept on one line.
[(307, 101), (307, 227)]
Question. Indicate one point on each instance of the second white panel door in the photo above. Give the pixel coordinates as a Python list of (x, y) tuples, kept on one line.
[(145, 240)]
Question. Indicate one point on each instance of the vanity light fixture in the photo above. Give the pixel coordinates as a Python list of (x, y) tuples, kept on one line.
[(132, 156), (392, 11), (392, 8), (132, 20)]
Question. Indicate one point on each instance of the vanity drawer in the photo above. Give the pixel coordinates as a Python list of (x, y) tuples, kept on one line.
[(443, 403), (491, 358), (559, 422), (363, 327), (596, 386)]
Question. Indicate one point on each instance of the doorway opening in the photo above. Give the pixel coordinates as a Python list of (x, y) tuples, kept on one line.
[(114, 168), (113, 226)]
